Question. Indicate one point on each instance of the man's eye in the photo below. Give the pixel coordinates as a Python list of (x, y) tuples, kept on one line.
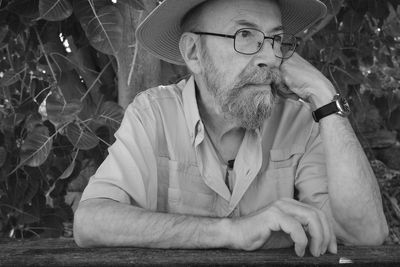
[(245, 34), (278, 38)]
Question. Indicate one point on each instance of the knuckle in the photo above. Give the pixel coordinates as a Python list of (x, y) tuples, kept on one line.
[(314, 215)]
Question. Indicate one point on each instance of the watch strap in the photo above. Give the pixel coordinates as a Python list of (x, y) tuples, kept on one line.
[(324, 111)]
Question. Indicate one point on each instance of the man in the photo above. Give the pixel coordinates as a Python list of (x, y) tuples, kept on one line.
[(227, 158)]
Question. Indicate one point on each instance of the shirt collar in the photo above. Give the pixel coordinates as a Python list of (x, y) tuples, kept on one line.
[(190, 108)]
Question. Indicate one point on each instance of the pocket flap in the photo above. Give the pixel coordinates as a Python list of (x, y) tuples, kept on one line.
[(286, 153)]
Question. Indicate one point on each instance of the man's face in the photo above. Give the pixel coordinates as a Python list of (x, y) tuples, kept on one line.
[(244, 85)]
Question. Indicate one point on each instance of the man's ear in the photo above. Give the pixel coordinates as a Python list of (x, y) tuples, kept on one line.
[(190, 51)]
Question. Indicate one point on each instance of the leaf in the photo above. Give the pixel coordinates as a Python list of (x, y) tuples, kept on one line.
[(32, 121), (136, 4), (55, 10), (333, 6), (25, 8), (9, 78), (110, 114), (352, 21), (26, 218), (79, 183), (104, 31), (81, 137), (2, 193), (11, 121), (394, 120), (68, 171), (381, 138), (59, 112), (31, 190), (71, 85), (84, 12), (3, 32), (3, 156), (57, 56), (378, 9), (36, 147), (374, 80)]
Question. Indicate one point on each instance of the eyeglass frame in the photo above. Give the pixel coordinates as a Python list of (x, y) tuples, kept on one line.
[(265, 37)]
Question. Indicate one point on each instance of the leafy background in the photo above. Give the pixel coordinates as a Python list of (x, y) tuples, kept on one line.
[(68, 68)]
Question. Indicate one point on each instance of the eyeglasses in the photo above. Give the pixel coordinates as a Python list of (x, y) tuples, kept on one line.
[(249, 41)]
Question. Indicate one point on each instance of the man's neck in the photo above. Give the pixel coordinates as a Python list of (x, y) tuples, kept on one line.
[(211, 113), (225, 134)]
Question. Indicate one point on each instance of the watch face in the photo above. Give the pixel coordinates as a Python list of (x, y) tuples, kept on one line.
[(343, 106)]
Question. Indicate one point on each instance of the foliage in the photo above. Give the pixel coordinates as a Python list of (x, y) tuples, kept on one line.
[(57, 104), (359, 50)]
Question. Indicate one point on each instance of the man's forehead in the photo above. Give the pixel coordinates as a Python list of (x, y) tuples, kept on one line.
[(247, 13)]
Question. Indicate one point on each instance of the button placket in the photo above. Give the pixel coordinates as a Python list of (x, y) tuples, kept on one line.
[(248, 164)]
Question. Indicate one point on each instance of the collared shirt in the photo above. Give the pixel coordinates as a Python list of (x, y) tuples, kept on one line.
[(163, 159)]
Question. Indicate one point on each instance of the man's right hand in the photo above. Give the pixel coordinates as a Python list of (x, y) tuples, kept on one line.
[(304, 223)]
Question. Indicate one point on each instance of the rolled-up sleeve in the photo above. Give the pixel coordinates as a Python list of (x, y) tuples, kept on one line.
[(129, 173), (311, 175)]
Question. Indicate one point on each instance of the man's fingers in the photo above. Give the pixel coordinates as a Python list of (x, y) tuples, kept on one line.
[(330, 243), (314, 221), (315, 229), (292, 227), (332, 247), (328, 232)]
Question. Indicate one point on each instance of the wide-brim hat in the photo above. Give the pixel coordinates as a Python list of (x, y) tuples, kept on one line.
[(160, 32)]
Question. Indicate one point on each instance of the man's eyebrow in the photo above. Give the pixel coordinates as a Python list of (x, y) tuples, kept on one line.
[(249, 24), (246, 23)]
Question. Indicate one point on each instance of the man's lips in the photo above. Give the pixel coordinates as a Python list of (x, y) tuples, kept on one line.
[(258, 85)]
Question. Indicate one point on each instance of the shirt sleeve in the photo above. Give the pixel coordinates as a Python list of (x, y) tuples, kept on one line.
[(311, 175), (129, 173)]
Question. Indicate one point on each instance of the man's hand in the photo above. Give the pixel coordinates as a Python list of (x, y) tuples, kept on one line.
[(297, 219), (306, 81)]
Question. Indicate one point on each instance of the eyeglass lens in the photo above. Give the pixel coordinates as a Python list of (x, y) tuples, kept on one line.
[(250, 41)]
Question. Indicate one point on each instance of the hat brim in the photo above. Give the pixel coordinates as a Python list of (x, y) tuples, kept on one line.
[(160, 32)]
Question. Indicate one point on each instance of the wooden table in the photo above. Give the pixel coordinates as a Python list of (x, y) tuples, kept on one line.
[(64, 252)]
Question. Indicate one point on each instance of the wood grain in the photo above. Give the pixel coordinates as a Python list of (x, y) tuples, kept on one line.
[(64, 252)]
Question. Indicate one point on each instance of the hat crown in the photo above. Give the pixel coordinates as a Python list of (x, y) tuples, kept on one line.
[(160, 32)]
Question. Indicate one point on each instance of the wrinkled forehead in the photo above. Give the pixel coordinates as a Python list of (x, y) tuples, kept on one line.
[(219, 15)]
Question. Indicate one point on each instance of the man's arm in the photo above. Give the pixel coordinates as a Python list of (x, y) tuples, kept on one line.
[(105, 222), (354, 205), (354, 198)]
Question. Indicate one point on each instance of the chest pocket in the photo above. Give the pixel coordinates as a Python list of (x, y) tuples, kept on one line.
[(282, 170), (187, 192), (285, 157)]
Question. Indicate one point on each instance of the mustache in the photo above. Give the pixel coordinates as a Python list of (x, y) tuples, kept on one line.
[(259, 76)]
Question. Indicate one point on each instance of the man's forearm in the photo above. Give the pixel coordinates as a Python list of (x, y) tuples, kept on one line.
[(103, 222), (354, 195)]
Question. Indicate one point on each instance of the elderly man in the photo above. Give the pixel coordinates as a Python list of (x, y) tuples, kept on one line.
[(229, 158)]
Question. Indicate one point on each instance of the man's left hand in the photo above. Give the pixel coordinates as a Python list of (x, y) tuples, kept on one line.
[(306, 81)]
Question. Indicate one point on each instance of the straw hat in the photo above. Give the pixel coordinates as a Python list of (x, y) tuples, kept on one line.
[(160, 32)]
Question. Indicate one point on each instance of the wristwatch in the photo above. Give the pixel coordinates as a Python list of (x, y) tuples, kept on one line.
[(339, 106)]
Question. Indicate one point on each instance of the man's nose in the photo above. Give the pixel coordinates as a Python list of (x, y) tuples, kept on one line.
[(266, 56)]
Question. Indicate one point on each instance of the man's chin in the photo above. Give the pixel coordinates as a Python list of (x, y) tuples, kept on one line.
[(255, 120)]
